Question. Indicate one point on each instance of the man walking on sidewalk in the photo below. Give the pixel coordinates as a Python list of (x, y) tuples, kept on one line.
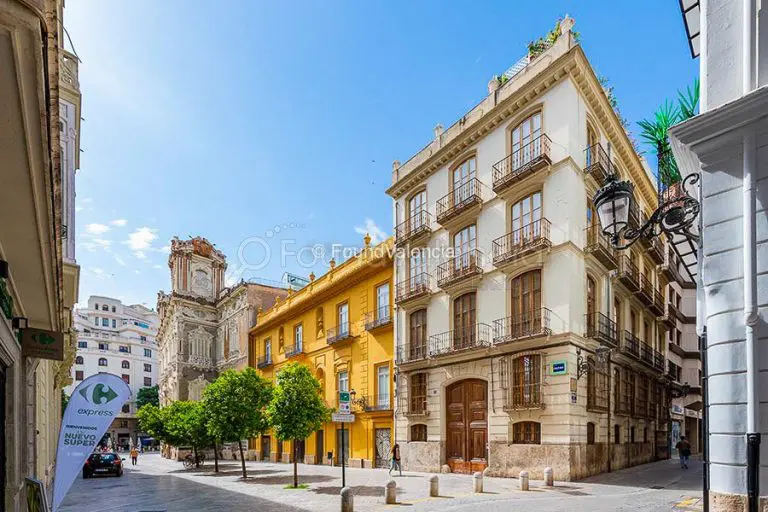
[(684, 450), (134, 456)]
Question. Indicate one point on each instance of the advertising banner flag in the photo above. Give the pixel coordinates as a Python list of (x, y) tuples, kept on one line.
[(94, 404)]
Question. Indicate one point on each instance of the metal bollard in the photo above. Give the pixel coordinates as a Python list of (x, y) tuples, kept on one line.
[(549, 479), (434, 489), (477, 482), (347, 500), (390, 493), (523, 480)]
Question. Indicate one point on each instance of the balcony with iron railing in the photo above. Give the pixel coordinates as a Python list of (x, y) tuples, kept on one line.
[(460, 340), (379, 318), (339, 333), (629, 275), (414, 228), (598, 164), (674, 371), (464, 198), (601, 328), (645, 290), (630, 345), (460, 267), (658, 360), (294, 350), (531, 238), (264, 362), (374, 403), (416, 287), (668, 318), (635, 217), (411, 352), (523, 396), (657, 307), (599, 245), (646, 354), (530, 324), (524, 162), (656, 249)]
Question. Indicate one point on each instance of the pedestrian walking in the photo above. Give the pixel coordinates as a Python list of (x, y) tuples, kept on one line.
[(134, 456), (395, 454), (684, 450)]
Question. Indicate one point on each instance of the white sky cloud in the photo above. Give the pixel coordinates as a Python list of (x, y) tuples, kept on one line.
[(141, 238), (119, 260), (96, 229), (377, 234), (119, 222), (157, 266), (139, 254)]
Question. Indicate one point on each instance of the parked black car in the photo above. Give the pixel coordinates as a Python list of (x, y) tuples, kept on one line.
[(103, 464)]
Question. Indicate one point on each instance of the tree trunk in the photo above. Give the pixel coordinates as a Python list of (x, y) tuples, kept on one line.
[(242, 459), (197, 461), (295, 467), (216, 456)]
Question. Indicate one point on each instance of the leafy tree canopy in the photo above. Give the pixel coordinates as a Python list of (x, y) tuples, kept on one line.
[(235, 405), (152, 422), (147, 396), (185, 424), (296, 410)]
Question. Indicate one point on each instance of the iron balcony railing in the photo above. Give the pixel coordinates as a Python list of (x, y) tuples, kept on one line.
[(457, 340), (264, 361), (409, 352), (419, 223), (656, 250), (645, 290), (461, 198), (598, 163), (525, 396), (646, 353), (532, 236), (377, 318), (293, 350), (601, 328), (658, 360), (466, 264), (628, 272), (339, 333), (522, 326), (658, 301), (372, 403), (527, 159), (416, 286), (599, 245), (631, 344)]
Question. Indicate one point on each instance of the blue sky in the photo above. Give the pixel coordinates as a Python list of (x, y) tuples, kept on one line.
[(227, 119)]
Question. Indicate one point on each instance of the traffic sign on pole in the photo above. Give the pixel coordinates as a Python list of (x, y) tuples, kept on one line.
[(343, 418)]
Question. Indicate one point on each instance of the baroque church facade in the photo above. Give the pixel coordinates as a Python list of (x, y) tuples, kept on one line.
[(203, 323)]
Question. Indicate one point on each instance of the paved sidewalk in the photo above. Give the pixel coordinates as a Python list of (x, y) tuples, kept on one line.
[(158, 484)]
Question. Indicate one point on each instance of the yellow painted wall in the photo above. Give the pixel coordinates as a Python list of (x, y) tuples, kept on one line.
[(355, 283)]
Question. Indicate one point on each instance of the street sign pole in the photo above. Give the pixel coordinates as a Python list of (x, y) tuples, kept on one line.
[(343, 474)]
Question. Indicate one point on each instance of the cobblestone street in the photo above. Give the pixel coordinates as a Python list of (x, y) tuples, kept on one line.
[(157, 484)]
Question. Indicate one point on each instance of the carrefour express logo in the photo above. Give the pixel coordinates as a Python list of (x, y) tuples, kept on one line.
[(43, 338), (101, 394)]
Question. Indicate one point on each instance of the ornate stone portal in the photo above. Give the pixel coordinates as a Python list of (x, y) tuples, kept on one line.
[(203, 324)]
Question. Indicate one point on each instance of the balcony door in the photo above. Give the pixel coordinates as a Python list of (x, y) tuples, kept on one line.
[(462, 175), (592, 141), (591, 316), (526, 304), (382, 387), (464, 245), (268, 350), (417, 269), (418, 338), (526, 141), (343, 319), (416, 206), (464, 321), (526, 219)]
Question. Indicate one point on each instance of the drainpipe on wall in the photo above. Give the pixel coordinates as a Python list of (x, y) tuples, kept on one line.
[(750, 264)]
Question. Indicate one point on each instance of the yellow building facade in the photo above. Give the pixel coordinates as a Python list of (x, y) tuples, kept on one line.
[(340, 326)]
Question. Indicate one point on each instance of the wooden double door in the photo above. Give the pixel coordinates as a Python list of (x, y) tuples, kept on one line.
[(467, 426)]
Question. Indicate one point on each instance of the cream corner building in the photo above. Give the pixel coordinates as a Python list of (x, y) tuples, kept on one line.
[(504, 277)]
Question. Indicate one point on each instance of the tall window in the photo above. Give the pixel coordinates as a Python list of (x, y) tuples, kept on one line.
[(102, 361), (114, 323), (592, 141), (148, 382), (633, 325), (462, 189), (418, 338), (382, 302), (617, 403), (527, 432), (147, 367), (382, 386), (97, 306), (96, 321), (298, 336), (464, 320), (268, 349), (417, 206), (105, 308), (616, 434), (126, 378), (526, 303), (597, 387), (126, 365), (591, 299), (79, 375), (342, 314), (526, 219), (590, 433), (629, 391), (648, 337), (464, 243), (320, 322), (343, 381), (114, 309), (79, 360), (418, 268), (419, 432), (418, 394), (147, 352), (526, 387), (617, 316), (526, 141), (105, 322)]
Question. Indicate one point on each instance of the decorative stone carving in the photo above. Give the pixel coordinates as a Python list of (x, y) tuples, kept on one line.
[(196, 387)]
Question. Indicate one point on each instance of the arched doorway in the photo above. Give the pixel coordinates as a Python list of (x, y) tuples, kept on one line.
[(467, 425)]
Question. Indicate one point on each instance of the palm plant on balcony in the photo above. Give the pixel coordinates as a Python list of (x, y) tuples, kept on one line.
[(655, 130)]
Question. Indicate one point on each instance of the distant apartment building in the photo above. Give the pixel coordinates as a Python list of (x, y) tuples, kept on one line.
[(509, 299), (121, 340)]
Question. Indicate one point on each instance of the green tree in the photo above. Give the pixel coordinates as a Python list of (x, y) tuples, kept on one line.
[(152, 421), (185, 424), (147, 396), (235, 407), (297, 409)]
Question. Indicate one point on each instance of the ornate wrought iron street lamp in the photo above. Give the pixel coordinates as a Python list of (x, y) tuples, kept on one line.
[(584, 364), (674, 216)]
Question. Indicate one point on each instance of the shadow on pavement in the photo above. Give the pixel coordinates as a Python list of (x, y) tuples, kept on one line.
[(359, 490), (288, 479)]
